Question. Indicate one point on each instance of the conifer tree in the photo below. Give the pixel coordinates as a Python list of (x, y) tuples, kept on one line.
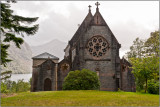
[(13, 29)]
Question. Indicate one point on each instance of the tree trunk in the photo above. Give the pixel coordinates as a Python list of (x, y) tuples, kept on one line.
[(146, 86)]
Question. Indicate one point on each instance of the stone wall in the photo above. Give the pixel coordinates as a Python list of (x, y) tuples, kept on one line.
[(127, 78), (105, 66), (63, 70), (47, 70)]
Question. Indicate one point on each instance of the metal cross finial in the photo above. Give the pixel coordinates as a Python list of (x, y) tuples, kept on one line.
[(97, 3), (89, 8)]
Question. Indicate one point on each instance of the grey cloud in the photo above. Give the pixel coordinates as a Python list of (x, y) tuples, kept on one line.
[(59, 26), (63, 28)]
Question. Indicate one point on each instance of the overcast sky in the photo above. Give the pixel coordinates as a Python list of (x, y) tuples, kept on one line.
[(60, 19)]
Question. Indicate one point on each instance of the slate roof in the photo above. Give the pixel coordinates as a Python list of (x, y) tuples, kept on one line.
[(82, 27), (45, 55)]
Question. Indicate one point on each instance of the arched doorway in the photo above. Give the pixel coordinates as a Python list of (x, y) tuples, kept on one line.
[(47, 84)]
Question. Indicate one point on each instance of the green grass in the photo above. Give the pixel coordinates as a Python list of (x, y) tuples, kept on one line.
[(81, 98)]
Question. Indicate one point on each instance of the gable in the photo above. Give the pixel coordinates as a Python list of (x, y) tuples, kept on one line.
[(98, 20), (48, 64), (81, 29)]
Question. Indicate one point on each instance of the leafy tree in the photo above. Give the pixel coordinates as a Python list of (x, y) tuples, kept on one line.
[(81, 80), (145, 69), (136, 50), (13, 28), (152, 44), (144, 56)]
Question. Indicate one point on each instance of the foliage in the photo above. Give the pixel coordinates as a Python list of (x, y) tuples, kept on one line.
[(4, 88), (136, 50), (144, 57), (153, 87), (152, 44), (81, 80), (81, 98), (4, 54), (6, 75), (141, 48), (13, 26), (145, 68), (30, 80), (139, 82), (9, 86)]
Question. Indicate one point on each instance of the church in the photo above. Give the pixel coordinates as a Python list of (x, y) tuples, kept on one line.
[(93, 47)]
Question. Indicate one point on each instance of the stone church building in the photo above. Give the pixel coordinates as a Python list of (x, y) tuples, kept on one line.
[(93, 47)]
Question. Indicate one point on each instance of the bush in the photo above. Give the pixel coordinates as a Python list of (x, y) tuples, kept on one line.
[(81, 80), (13, 87), (21, 86), (153, 87), (4, 88)]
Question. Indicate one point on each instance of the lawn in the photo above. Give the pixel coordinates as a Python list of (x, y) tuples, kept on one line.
[(80, 98)]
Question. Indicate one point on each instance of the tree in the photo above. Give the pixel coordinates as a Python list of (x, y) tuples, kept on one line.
[(136, 50), (145, 69), (152, 44), (5, 75), (13, 26), (81, 80), (144, 56)]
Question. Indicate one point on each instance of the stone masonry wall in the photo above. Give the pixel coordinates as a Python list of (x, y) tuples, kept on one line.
[(106, 64)]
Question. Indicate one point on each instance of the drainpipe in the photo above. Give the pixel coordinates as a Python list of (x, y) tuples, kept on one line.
[(56, 75)]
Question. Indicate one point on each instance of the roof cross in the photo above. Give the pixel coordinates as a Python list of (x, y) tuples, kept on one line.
[(97, 4), (89, 8)]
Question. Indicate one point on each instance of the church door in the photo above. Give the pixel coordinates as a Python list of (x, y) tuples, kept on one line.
[(47, 84)]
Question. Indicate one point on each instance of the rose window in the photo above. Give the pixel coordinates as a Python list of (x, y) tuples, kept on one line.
[(97, 46)]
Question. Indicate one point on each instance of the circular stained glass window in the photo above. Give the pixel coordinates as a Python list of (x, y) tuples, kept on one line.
[(97, 46)]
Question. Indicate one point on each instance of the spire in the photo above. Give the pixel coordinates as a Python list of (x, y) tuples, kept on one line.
[(89, 8), (97, 4)]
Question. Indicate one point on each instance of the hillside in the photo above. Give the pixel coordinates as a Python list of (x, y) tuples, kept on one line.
[(80, 98), (54, 47), (21, 59)]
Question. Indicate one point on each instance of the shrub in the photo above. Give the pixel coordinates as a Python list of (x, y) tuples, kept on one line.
[(9, 86), (153, 87), (22, 86), (81, 80), (4, 88)]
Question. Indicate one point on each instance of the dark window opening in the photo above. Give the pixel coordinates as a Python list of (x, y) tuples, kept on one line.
[(47, 84)]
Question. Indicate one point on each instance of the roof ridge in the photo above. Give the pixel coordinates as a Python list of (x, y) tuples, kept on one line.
[(83, 26), (45, 55)]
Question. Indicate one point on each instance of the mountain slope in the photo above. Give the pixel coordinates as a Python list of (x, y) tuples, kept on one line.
[(54, 47), (21, 59)]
